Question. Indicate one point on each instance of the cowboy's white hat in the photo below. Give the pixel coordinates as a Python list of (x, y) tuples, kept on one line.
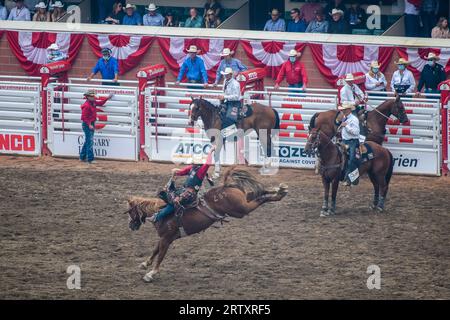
[(40, 5), (226, 52), (151, 7), (349, 77), (192, 49), (227, 70), (129, 5), (294, 53), (346, 105), (402, 61), (53, 46), (58, 4), (432, 56), (337, 11), (89, 93)]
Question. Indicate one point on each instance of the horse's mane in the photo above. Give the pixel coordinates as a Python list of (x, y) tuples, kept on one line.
[(243, 180), (142, 205), (207, 103)]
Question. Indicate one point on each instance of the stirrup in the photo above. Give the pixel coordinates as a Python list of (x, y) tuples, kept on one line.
[(153, 218)]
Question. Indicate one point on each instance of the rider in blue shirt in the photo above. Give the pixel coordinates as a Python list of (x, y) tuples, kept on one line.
[(228, 62), (194, 68)]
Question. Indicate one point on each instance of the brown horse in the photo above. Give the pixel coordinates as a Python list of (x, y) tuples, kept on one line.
[(379, 169), (376, 120), (239, 195), (262, 119)]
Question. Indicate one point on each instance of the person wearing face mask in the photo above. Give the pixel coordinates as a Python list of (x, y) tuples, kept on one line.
[(108, 68), (194, 68), (432, 74), (294, 71), (375, 80), (402, 80)]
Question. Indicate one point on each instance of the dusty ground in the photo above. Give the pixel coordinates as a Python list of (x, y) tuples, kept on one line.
[(58, 212)]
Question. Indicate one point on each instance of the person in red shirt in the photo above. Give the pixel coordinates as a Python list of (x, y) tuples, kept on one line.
[(186, 194), (294, 71), (88, 118)]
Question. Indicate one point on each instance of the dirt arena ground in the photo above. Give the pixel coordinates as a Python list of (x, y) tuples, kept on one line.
[(58, 212)]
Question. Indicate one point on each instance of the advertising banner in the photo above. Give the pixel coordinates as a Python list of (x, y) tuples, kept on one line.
[(14, 142)]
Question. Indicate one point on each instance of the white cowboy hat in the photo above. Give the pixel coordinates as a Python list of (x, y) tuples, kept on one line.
[(346, 105), (432, 56), (151, 7), (227, 70), (337, 11), (193, 49), (129, 6), (53, 46), (89, 93), (402, 61), (374, 64), (226, 52), (294, 53), (40, 5), (58, 4), (349, 77)]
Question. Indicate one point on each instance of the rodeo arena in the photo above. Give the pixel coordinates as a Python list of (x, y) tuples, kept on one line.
[(227, 161)]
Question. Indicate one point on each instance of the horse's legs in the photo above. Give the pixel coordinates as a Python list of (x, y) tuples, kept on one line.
[(219, 145), (376, 189), (164, 244), (245, 207), (383, 189), (149, 261), (326, 188), (334, 190)]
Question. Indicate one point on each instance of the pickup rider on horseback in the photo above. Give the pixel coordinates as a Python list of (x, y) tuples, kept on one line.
[(350, 137), (187, 194), (231, 97)]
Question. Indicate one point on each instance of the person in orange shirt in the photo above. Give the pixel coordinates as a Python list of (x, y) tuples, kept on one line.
[(294, 71)]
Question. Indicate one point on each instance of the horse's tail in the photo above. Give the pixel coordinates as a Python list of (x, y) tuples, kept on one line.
[(312, 122), (277, 119), (391, 168)]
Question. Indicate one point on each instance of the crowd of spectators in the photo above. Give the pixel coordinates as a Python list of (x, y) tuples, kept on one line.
[(29, 10)]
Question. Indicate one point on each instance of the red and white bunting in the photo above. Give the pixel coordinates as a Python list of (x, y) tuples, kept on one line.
[(270, 54), (30, 48), (128, 50), (416, 57), (334, 60), (174, 53)]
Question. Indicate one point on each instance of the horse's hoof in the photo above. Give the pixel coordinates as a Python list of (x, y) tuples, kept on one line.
[(372, 206), (147, 279), (380, 209), (283, 186), (324, 213), (331, 212), (143, 265)]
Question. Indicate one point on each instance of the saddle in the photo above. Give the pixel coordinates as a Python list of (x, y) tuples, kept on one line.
[(363, 154), (245, 111)]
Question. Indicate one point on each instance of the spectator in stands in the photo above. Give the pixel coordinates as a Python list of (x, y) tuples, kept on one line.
[(229, 62), (356, 16), (152, 18), (375, 79), (117, 14), (338, 25), (309, 9), (88, 118), (58, 11), (294, 71), (170, 20), (211, 21), (297, 24), (334, 4), (428, 13), (103, 6), (402, 80), (132, 18), (275, 23), (194, 68), (319, 24), (441, 30), (3, 10), (213, 5), (412, 18), (41, 14), (19, 12), (432, 74), (54, 54), (194, 21), (108, 68)]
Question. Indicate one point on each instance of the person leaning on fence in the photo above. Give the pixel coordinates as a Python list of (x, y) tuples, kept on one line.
[(108, 68), (375, 79), (194, 68), (55, 54), (350, 137), (231, 98), (228, 62), (294, 71), (402, 80), (88, 118), (275, 23), (432, 74)]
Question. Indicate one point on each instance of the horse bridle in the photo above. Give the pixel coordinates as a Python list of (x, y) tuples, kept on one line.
[(211, 125)]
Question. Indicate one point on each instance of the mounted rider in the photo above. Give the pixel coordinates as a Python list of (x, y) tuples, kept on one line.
[(350, 137), (231, 98), (187, 194)]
